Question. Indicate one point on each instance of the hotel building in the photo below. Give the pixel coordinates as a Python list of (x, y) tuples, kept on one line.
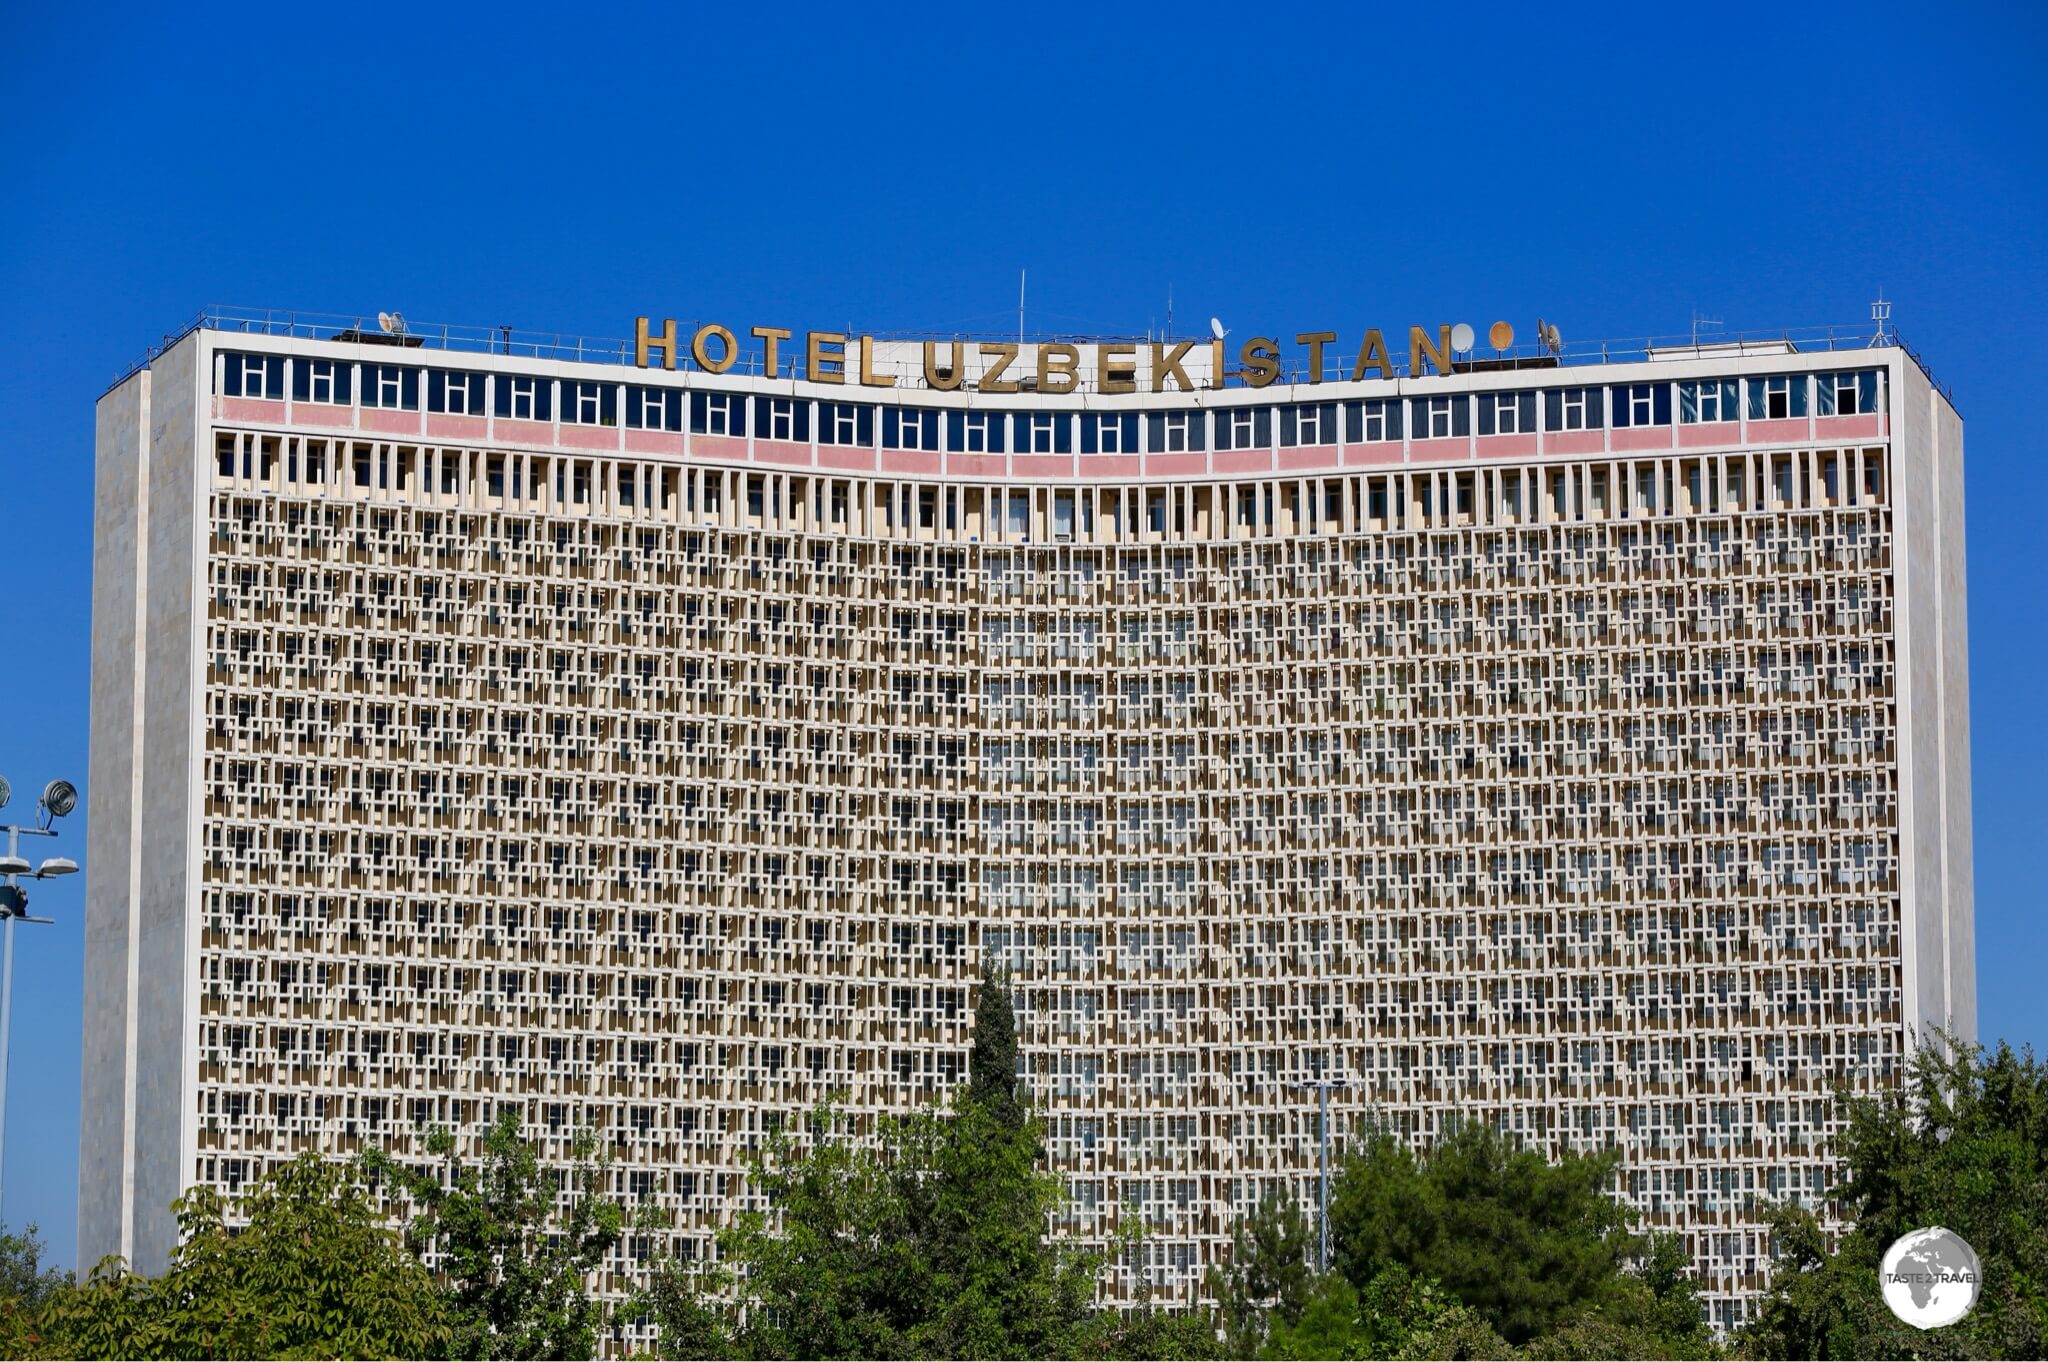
[(1576, 743)]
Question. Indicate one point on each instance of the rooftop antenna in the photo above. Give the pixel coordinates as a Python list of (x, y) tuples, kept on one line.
[(1020, 307), (1169, 313), (1698, 321), (1881, 313)]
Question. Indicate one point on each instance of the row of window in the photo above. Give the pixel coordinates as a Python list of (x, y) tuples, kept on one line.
[(591, 402)]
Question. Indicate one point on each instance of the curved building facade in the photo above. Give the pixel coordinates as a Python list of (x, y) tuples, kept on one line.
[(1577, 747)]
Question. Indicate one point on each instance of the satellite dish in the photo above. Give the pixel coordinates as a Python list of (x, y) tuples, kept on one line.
[(384, 322), (1216, 328), (1461, 337), (1502, 335), (1553, 340), (391, 324)]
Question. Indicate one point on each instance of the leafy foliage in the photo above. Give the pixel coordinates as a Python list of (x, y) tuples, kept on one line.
[(514, 1259), (26, 1289), (1963, 1143), (1526, 1242), (314, 1273)]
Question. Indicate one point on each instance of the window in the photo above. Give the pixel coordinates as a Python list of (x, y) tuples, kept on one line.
[(1777, 399), (654, 408), (845, 423), (1849, 394), (1044, 432), (722, 414), (253, 376), (524, 399), (1244, 428), (782, 418), (975, 432), (322, 380), (1574, 408), (911, 428), (1105, 433), (1441, 418), (454, 394), (590, 404), (1642, 404), (1372, 422), (1312, 424), (1175, 432), (1713, 400), (391, 386), (1507, 413)]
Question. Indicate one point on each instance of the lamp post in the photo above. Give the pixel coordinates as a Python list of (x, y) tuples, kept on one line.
[(1322, 1088), (59, 798)]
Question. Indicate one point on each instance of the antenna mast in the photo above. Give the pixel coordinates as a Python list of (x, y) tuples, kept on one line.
[(1020, 308), (1881, 313)]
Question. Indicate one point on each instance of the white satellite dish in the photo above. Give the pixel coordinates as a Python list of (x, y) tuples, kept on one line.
[(391, 324), (1461, 337), (1551, 340), (1216, 328)]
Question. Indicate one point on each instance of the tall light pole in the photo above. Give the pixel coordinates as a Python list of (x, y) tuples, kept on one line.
[(59, 798), (1322, 1088)]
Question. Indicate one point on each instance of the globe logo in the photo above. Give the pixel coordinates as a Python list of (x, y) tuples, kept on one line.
[(1930, 1277)]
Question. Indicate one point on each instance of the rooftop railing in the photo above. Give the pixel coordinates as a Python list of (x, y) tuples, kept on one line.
[(561, 346)]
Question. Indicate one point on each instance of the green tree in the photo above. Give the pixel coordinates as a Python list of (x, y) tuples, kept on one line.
[(1269, 1278), (26, 1289), (1526, 1242), (313, 1272), (927, 1240), (1961, 1143), (513, 1242)]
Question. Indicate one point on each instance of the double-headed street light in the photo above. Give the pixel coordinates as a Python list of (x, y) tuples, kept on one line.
[(59, 798), (1322, 1088)]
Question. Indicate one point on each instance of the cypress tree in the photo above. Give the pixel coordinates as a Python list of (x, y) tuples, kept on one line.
[(992, 1066)]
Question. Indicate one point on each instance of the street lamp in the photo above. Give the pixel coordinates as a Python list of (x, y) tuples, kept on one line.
[(1322, 1088), (59, 798)]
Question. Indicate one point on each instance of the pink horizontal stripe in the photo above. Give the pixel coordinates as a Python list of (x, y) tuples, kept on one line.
[(654, 442), (250, 409), (976, 465), (524, 432), (386, 421), (1438, 451), (1042, 465), (1793, 429), (844, 456), (1642, 437), (1517, 446), (1709, 433), (1309, 456), (1575, 442), (725, 447), (1863, 427), (783, 452), (1385, 452), (590, 437), (449, 427), (1184, 462), (1244, 460), (910, 461), (324, 414)]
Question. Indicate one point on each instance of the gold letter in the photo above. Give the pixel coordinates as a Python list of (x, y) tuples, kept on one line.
[(868, 376), (992, 380), (950, 378), (826, 349), (1216, 371), (1166, 363), (642, 342), (768, 336), (1261, 359), (1058, 360), (732, 348), (1112, 376), (1315, 341), (1373, 355), (1418, 346)]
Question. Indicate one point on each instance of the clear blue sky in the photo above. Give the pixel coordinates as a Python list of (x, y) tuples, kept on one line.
[(567, 167)]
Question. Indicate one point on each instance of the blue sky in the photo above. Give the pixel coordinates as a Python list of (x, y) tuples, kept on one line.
[(891, 168)]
